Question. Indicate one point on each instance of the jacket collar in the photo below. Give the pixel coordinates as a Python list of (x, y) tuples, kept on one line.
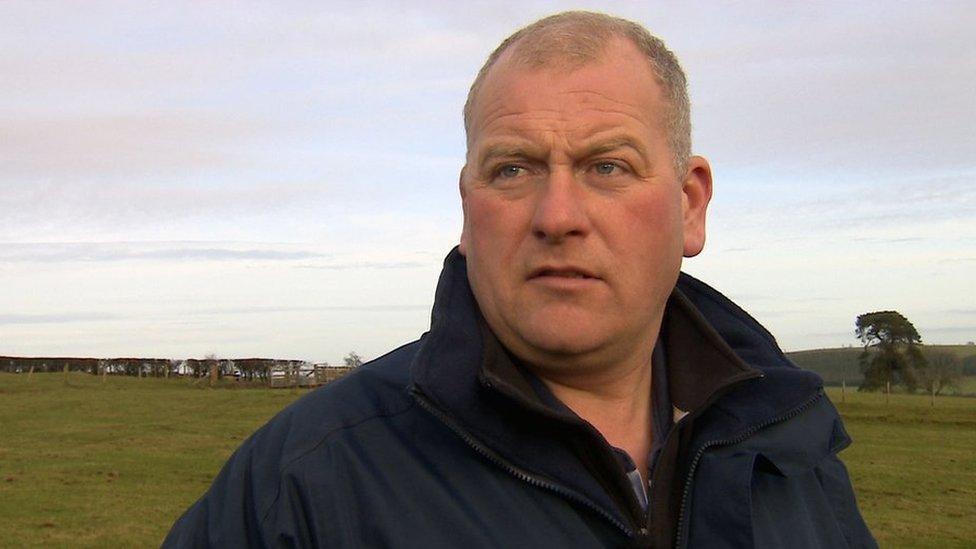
[(782, 386), (721, 361)]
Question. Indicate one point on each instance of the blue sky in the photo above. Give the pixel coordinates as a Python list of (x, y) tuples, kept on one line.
[(280, 180)]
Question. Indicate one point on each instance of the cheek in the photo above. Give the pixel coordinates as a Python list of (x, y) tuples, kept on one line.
[(654, 220), (649, 243), (492, 225), (489, 245), (480, 216)]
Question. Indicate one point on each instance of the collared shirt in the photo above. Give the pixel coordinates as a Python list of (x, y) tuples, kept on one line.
[(662, 419), (661, 413)]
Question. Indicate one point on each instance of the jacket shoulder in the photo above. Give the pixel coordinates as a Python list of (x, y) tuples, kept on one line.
[(377, 388), (230, 513)]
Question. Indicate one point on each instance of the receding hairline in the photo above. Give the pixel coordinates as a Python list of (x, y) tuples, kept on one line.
[(575, 38)]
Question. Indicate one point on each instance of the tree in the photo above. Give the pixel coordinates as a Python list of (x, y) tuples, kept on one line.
[(353, 360), (891, 350), (943, 370), (969, 366), (213, 364)]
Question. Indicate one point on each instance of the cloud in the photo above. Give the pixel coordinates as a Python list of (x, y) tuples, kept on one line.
[(109, 209), (824, 90), (881, 210), (970, 330), (121, 55), (338, 124), (310, 309), (120, 144), (56, 318), (738, 249), (152, 251), (874, 239), (367, 265), (835, 334)]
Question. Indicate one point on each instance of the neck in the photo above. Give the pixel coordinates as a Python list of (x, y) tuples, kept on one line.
[(617, 403)]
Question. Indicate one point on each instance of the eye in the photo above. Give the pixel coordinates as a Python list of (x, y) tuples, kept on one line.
[(606, 168), (509, 171)]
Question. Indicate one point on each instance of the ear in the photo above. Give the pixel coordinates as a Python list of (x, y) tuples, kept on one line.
[(463, 245), (696, 193)]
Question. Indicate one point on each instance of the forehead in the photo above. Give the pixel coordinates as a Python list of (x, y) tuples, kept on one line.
[(618, 87)]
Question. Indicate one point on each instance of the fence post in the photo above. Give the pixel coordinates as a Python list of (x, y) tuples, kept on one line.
[(65, 370), (30, 373), (887, 390), (843, 391)]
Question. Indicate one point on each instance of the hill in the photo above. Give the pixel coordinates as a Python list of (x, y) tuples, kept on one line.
[(840, 364)]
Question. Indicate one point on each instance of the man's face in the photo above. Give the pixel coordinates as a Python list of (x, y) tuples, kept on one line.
[(574, 220)]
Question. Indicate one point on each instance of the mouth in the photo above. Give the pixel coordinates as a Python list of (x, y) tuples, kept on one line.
[(570, 273)]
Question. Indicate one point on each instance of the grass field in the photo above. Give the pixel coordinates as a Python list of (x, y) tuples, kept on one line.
[(87, 463), (913, 466), (113, 464)]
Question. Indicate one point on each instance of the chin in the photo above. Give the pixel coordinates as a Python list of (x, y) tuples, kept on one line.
[(563, 342)]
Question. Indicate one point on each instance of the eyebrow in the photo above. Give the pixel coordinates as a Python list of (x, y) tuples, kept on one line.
[(603, 146), (508, 150), (596, 147)]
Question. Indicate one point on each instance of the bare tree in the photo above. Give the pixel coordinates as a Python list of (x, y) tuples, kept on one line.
[(353, 360), (944, 370), (213, 365)]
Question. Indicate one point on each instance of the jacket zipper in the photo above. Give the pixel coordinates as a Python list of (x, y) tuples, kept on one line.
[(726, 442), (513, 469)]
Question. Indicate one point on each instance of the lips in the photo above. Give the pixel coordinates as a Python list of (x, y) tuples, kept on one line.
[(567, 272)]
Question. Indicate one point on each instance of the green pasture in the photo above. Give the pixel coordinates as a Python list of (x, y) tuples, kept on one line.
[(90, 463), (968, 385), (87, 463), (913, 466)]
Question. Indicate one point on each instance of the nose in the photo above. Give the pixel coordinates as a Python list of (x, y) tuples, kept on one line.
[(560, 210)]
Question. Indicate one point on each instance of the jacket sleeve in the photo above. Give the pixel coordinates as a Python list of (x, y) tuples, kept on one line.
[(229, 513)]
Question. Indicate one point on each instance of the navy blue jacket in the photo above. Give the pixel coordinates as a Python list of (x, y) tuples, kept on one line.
[(437, 445)]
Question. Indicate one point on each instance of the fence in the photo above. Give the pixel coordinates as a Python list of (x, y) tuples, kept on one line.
[(305, 374)]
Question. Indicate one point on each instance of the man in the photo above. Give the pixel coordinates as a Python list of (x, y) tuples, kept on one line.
[(574, 389)]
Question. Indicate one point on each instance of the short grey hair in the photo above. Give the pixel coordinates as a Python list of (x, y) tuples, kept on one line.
[(579, 37)]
